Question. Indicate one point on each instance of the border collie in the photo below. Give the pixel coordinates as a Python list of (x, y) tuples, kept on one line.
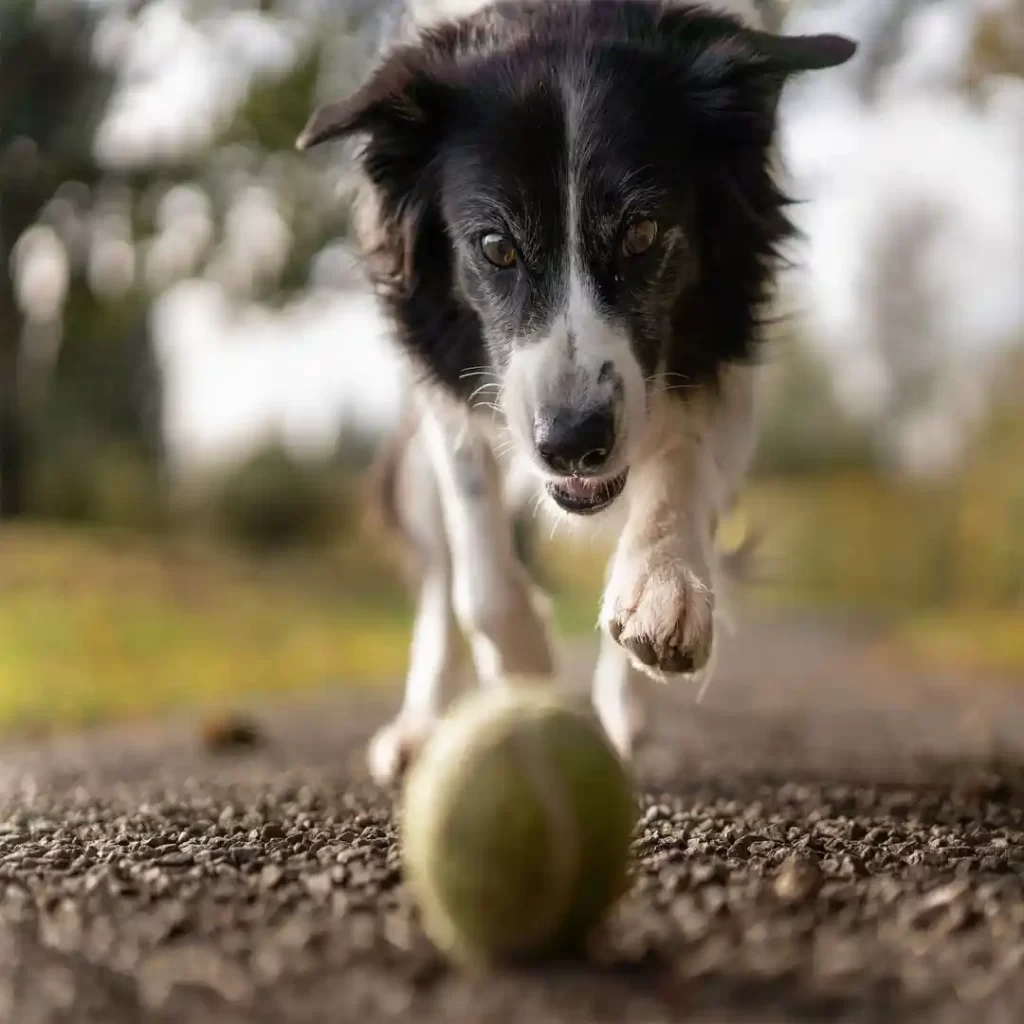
[(572, 212)]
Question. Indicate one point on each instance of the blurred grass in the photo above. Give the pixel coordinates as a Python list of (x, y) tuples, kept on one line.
[(97, 624), (989, 641), (892, 548)]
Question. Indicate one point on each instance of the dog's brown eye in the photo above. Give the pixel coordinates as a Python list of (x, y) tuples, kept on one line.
[(640, 236), (499, 251)]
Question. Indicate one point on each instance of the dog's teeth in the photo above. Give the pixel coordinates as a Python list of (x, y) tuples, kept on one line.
[(577, 487)]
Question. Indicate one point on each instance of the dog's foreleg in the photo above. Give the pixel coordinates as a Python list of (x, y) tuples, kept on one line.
[(660, 599), (611, 694), (502, 614), (436, 653)]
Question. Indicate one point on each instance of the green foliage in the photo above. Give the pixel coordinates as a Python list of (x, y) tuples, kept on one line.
[(86, 481), (106, 381), (51, 95), (105, 386), (896, 547), (275, 112), (94, 437), (275, 501), (277, 109), (804, 431)]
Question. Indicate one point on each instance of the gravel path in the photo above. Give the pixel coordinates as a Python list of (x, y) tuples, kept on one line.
[(826, 838)]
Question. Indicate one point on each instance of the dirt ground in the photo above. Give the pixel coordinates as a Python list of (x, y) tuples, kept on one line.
[(828, 837)]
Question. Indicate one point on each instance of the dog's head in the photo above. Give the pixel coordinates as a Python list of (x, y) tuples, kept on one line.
[(578, 203)]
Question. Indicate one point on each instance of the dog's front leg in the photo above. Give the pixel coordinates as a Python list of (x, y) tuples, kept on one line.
[(500, 612), (436, 653), (660, 599), (659, 602), (617, 707)]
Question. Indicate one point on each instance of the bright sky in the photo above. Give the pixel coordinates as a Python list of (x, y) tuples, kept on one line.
[(234, 378)]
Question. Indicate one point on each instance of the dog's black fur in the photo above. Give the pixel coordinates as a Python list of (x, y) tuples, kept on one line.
[(466, 129)]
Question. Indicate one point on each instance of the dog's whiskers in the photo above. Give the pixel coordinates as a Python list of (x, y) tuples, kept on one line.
[(559, 519), (536, 504), (659, 380), (484, 387)]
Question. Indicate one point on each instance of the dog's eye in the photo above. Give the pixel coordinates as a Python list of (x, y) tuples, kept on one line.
[(497, 249), (640, 236)]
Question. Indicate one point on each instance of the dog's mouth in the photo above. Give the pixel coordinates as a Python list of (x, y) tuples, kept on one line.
[(583, 496)]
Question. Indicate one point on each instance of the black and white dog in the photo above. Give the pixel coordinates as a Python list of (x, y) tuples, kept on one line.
[(573, 213)]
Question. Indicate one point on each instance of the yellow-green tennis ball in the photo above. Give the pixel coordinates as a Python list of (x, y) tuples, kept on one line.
[(517, 820)]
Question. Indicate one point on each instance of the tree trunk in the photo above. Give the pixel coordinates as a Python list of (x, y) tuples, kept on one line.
[(12, 440)]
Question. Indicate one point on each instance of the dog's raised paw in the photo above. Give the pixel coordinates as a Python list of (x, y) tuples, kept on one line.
[(394, 748), (662, 613)]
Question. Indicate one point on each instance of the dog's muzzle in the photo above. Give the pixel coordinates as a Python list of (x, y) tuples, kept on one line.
[(583, 496), (577, 446)]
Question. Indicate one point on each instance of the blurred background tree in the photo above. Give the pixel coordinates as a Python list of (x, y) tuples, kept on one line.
[(52, 95), (93, 230)]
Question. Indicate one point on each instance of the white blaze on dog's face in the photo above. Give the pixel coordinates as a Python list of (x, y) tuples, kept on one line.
[(578, 207), (575, 395), (572, 217)]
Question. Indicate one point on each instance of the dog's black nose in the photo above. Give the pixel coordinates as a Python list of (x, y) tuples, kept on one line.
[(571, 442)]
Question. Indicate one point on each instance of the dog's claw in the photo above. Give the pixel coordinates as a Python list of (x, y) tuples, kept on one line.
[(661, 613), (643, 650)]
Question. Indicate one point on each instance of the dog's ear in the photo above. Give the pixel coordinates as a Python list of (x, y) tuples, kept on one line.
[(400, 96), (740, 71), (726, 40), (401, 110), (788, 55), (776, 58)]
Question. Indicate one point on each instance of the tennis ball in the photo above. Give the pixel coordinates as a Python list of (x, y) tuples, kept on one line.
[(516, 822)]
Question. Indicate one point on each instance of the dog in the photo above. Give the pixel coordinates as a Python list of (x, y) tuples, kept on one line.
[(572, 212)]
